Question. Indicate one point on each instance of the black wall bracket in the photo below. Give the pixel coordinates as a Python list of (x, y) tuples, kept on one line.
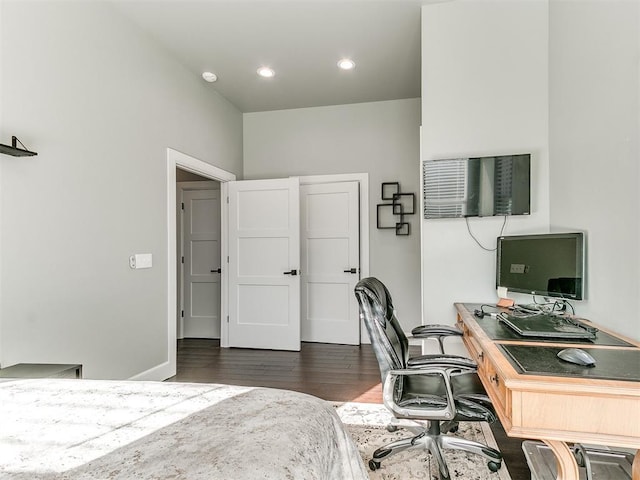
[(14, 150)]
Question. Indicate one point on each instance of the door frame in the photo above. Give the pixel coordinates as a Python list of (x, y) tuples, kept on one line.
[(181, 188), (176, 159)]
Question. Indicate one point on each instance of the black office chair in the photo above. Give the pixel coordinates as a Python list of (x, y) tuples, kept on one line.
[(428, 394)]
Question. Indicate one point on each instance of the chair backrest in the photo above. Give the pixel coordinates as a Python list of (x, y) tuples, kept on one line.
[(389, 342)]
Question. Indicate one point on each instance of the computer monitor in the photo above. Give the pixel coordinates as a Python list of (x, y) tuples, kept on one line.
[(551, 265)]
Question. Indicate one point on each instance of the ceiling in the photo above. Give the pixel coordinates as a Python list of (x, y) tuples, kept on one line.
[(302, 40)]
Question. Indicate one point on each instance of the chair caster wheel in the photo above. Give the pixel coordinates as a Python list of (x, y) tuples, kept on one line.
[(373, 465), (494, 466), (391, 428)]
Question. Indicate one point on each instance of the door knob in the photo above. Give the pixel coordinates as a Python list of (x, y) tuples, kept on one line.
[(219, 270), (351, 270), (291, 272)]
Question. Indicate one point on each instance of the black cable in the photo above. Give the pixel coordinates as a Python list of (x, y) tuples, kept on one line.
[(559, 305), (478, 242), (546, 303), (562, 306), (480, 313)]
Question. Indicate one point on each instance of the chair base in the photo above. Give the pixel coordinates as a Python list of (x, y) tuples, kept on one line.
[(435, 442)]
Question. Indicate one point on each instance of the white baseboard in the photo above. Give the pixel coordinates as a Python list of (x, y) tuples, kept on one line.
[(158, 373)]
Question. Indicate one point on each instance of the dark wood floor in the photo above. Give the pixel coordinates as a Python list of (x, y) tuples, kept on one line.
[(332, 372)]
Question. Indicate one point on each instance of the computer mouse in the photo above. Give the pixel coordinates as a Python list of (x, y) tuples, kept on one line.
[(577, 356)]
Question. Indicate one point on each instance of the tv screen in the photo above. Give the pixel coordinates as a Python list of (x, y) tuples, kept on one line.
[(477, 186), (551, 265)]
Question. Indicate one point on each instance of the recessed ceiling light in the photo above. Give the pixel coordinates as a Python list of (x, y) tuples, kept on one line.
[(346, 64), (266, 72), (209, 77)]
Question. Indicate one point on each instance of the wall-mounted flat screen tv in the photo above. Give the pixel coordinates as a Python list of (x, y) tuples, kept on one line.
[(551, 265), (477, 186)]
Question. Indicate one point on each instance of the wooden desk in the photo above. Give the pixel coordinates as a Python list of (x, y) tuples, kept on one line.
[(556, 409)]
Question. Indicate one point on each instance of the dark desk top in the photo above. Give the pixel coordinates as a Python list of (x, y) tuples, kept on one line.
[(611, 363), (498, 331)]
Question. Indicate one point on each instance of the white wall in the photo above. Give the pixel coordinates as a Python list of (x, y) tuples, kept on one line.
[(381, 139), (99, 102), (484, 92), (594, 138)]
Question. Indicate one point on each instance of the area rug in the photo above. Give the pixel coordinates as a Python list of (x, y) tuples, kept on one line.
[(367, 422)]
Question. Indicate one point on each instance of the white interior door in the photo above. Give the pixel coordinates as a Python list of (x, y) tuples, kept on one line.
[(201, 252), (330, 238), (264, 264)]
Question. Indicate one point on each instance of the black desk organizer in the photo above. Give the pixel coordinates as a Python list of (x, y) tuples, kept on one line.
[(611, 364)]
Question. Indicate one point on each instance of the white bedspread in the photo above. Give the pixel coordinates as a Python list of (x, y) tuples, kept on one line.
[(86, 429)]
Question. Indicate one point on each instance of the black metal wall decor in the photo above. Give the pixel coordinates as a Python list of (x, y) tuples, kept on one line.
[(401, 204)]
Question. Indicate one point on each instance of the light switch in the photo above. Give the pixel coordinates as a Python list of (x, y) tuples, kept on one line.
[(141, 260)]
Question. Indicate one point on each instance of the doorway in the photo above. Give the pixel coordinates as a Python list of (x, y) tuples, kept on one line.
[(178, 160), (199, 253)]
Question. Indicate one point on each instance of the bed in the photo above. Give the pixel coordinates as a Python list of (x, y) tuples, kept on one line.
[(117, 430)]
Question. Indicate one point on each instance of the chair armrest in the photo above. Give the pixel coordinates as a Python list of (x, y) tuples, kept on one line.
[(441, 361), (435, 330), (439, 332), (447, 413)]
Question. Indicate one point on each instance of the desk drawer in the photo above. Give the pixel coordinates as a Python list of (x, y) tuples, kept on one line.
[(496, 387), (475, 352), (473, 346)]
